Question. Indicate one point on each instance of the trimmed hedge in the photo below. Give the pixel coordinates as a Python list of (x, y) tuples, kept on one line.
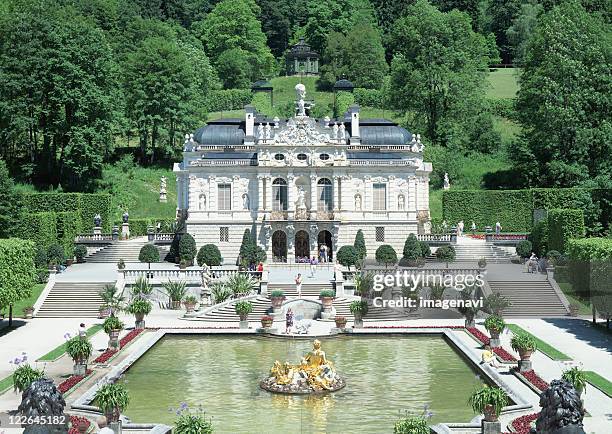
[(564, 224), (85, 204), (228, 99), (17, 271), (68, 226), (369, 97), (587, 249), (39, 227), (514, 208), (590, 266), (343, 101)]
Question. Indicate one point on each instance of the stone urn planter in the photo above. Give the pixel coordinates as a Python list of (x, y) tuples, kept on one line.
[(266, 322), (358, 320), (277, 298), (79, 367), (525, 354), (28, 312), (494, 341), (327, 302), (489, 413), (176, 304), (69, 262), (190, 304), (340, 322), (140, 323), (244, 323), (104, 312), (113, 339)]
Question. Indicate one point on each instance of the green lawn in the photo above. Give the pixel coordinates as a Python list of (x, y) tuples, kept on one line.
[(542, 346), (18, 307), (6, 383), (504, 83), (60, 350), (600, 382)]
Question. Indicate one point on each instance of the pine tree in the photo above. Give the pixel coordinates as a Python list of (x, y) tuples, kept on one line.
[(360, 245), (247, 242)]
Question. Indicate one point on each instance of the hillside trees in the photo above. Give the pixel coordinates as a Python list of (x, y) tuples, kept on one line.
[(564, 102), (439, 76)]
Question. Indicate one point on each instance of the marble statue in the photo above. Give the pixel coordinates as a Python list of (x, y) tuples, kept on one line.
[(163, 197), (97, 220), (246, 202), (342, 130), (267, 131), (125, 217), (202, 202), (300, 91), (335, 131), (314, 373), (400, 202), (446, 181), (276, 122), (301, 108), (260, 132), (300, 203), (326, 119), (358, 202)]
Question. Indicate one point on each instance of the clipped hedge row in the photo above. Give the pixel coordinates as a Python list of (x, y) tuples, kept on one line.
[(39, 227), (68, 226), (564, 224), (86, 204), (369, 97), (17, 271), (228, 99), (587, 249), (589, 271), (512, 208)]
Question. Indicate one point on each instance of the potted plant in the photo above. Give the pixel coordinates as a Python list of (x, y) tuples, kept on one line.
[(110, 302), (112, 327), (28, 312), (190, 303), (577, 378), (183, 264), (277, 297), (574, 308), (243, 309), (176, 292), (327, 298), (489, 401), (79, 349), (359, 308), (80, 251), (524, 344), (482, 263), (112, 398), (189, 423), (266, 321), (340, 322), (495, 325), (140, 307), (121, 264), (25, 375)]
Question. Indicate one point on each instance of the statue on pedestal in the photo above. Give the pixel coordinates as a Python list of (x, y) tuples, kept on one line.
[(446, 181), (342, 129), (300, 203), (300, 91), (125, 217), (97, 220), (260, 132)]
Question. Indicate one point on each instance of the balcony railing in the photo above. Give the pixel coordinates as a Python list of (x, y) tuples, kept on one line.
[(434, 237), (92, 238), (279, 215), (325, 215)]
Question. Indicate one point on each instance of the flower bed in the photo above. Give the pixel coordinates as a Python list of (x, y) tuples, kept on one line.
[(533, 379), (415, 327), (504, 355), (71, 382), (478, 335), (522, 425), (109, 354), (74, 424)]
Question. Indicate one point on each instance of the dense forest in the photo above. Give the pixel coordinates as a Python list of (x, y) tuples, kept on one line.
[(80, 78)]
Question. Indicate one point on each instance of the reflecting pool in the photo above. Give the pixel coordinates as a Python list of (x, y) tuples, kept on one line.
[(386, 377)]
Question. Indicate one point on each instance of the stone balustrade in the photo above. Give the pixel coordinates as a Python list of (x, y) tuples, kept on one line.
[(93, 238), (433, 237), (191, 275)]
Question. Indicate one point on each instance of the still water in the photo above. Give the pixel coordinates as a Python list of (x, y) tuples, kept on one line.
[(385, 378)]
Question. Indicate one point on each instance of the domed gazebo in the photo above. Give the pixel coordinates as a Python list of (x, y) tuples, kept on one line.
[(301, 59)]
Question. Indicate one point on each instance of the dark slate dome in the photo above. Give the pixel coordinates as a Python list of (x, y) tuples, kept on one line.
[(344, 84), (378, 135), (221, 134), (261, 84)]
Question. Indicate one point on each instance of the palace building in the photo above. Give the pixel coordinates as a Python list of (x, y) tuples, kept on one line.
[(299, 183)]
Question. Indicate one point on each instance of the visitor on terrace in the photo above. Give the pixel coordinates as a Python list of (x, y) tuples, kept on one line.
[(488, 357)]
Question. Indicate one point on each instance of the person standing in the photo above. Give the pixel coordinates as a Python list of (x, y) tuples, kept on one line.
[(313, 266), (498, 228), (288, 320), (473, 227), (298, 284), (82, 331)]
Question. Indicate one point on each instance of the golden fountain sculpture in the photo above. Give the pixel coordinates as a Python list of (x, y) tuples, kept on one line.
[(315, 373)]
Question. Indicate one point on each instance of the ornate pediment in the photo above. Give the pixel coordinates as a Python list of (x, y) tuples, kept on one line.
[(301, 131)]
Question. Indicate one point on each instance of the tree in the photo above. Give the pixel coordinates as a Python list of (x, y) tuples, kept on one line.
[(187, 248), (235, 67), (385, 254), (233, 24), (210, 255), (17, 272), (445, 254), (519, 33), (8, 201), (564, 102), (247, 241), (360, 245), (438, 75), (412, 249), (347, 256), (148, 253), (425, 249)]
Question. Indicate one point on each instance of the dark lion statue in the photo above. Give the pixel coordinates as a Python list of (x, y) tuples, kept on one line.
[(43, 399), (562, 410)]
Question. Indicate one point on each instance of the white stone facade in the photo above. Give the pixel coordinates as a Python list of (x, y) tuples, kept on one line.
[(301, 183)]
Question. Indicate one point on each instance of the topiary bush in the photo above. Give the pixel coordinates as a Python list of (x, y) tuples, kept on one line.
[(524, 248), (79, 252), (386, 255), (210, 255), (446, 254), (148, 253), (347, 256), (187, 248), (360, 245), (412, 248), (55, 254), (564, 224)]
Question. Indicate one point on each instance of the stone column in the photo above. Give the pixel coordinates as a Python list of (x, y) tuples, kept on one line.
[(212, 204), (411, 205), (260, 193), (367, 199), (268, 193), (291, 193), (336, 190), (313, 196)]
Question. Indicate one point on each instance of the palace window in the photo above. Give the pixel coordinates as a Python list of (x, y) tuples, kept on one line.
[(379, 196), (279, 195), (224, 197), (279, 157), (324, 157), (302, 157), (324, 189), (380, 234), (224, 234)]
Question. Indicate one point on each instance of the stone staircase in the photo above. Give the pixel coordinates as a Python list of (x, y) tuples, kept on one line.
[(72, 300), (529, 298), (126, 250), (309, 289), (473, 252)]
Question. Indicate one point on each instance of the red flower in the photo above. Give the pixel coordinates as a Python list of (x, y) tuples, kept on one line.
[(534, 379), (504, 355), (479, 335), (72, 381), (522, 425), (129, 337), (105, 356), (75, 421)]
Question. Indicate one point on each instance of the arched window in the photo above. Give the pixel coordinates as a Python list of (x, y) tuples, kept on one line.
[(324, 190), (279, 195)]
